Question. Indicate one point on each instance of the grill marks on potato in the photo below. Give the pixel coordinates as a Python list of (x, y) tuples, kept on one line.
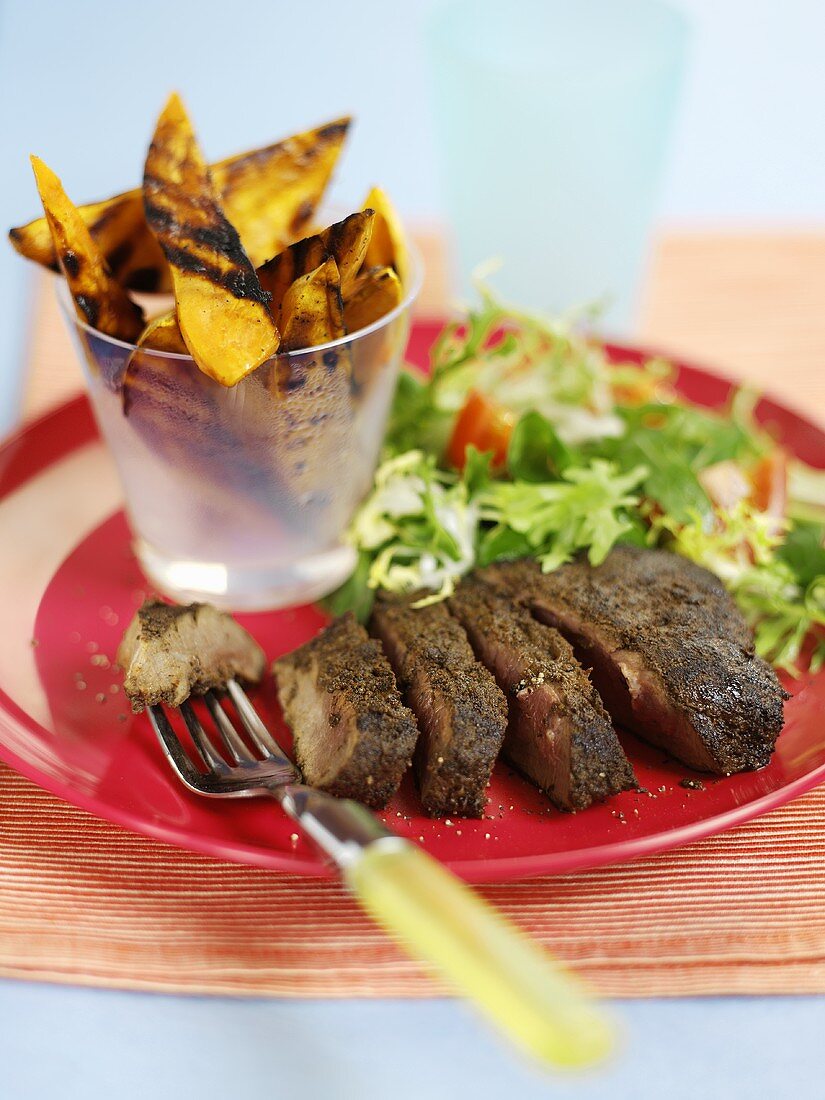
[(268, 194), (203, 235), (214, 251), (271, 194), (195, 234), (98, 298), (119, 230), (312, 312), (221, 308), (313, 308), (345, 241), (278, 274)]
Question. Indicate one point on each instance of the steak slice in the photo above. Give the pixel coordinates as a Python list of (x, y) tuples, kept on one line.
[(461, 713), (169, 653), (353, 735), (671, 655), (558, 734)]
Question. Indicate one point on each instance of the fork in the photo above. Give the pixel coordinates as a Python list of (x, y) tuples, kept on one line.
[(519, 987)]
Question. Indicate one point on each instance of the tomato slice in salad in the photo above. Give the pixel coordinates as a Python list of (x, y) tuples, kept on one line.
[(484, 424), (769, 483), (764, 485)]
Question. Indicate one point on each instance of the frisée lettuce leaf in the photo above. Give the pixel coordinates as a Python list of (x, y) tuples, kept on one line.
[(586, 509), (776, 578), (422, 528)]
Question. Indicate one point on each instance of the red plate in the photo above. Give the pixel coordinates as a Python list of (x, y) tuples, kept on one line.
[(69, 583)]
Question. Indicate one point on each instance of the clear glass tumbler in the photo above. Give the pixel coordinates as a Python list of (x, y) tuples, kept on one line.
[(240, 496), (553, 118)]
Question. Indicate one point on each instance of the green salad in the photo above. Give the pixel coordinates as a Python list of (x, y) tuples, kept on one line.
[(526, 440)]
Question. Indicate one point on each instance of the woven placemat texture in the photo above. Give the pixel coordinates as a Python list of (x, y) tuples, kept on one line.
[(84, 901)]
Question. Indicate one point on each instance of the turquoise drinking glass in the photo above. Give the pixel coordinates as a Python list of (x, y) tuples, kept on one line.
[(553, 118)]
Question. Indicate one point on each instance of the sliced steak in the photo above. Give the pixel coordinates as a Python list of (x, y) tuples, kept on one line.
[(461, 713), (353, 735), (558, 734), (169, 653), (670, 652)]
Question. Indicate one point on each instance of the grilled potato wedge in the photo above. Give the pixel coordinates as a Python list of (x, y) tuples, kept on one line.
[(163, 334), (98, 299), (222, 311), (388, 246), (346, 241), (375, 293), (268, 194), (119, 230), (312, 311)]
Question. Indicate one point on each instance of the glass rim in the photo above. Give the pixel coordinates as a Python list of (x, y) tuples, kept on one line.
[(416, 279)]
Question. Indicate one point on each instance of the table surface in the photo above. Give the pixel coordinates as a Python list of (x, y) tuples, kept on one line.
[(750, 305)]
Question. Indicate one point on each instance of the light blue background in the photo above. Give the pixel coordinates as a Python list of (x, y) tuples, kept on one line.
[(73, 1044), (80, 84)]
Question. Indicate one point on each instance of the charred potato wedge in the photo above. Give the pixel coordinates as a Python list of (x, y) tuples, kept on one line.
[(312, 312), (372, 293), (98, 299), (163, 334), (222, 311), (346, 241), (119, 230), (388, 245), (268, 194), (376, 292)]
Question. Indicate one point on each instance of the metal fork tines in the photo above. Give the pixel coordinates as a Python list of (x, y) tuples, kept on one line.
[(427, 908), (341, 828), (235, 770)]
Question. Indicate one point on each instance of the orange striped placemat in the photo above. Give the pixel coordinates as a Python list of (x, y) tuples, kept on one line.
[(86, 902)]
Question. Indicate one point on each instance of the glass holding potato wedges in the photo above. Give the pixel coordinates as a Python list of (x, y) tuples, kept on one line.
[(245, 399)]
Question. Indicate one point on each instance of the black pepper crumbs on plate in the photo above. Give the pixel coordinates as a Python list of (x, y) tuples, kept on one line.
[(692, 784)]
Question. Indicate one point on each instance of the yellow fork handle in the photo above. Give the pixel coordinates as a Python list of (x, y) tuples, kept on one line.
[(518, 986)]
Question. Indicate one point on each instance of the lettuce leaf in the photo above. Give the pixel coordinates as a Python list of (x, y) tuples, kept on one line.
[(587, 509), (422, 528), (536, 453), (803, 551), (419, 525), (778, 585), (529, 363)]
